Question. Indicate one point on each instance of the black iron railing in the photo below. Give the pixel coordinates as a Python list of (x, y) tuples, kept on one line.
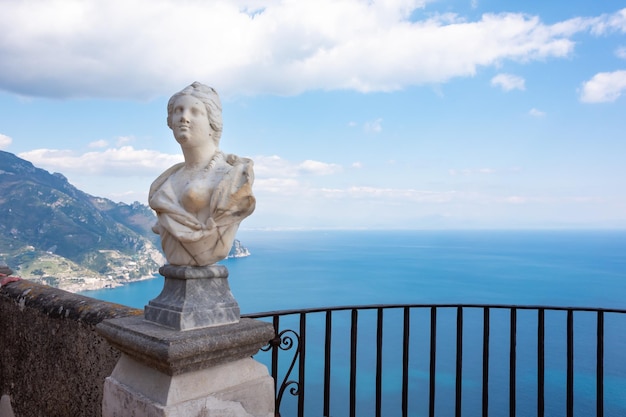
[(440, 360)]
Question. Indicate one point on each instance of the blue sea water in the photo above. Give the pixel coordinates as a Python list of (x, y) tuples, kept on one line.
[(328, 268), (325, 268)]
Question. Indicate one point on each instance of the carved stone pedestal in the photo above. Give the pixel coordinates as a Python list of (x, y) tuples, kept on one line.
[(193, 297), (190, 355), (236, 389), (203, 372)]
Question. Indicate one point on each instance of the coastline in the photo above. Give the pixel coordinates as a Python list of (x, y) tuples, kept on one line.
[(80, 284)]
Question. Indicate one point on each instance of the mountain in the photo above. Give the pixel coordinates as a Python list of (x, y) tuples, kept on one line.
[(52, 232)]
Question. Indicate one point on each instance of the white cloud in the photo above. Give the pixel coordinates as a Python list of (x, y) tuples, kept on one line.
[(122, 140), (272, 166), (604, 87), (318, 168), (471, 171), (69, 48), (273, 173), (124, 161), (357, 165), (389, 195), (609, 22), (536, 113), (276, 167), (5, 141), (403, 194), (99, 144), (283, 186), (374, 126), (508, 82), (621, 52)]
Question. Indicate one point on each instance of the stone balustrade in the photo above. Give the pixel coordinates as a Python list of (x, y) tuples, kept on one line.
[(53, 361)]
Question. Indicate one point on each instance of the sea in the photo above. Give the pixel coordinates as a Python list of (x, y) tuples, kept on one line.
[(324, 268)]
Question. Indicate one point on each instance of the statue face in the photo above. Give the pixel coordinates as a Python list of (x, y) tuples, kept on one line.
[(190, 121)]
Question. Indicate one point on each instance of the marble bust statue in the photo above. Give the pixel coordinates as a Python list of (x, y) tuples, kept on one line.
[(200, 202)]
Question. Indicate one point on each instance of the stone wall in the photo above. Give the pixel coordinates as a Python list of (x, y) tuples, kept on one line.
[(53, 363)]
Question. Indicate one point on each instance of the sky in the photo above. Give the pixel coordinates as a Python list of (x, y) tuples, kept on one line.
[(394, 114)]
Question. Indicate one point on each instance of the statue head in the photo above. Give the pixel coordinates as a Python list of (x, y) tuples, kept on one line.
[(211, 100)]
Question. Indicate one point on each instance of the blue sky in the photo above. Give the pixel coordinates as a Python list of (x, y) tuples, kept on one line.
[(358, 114)]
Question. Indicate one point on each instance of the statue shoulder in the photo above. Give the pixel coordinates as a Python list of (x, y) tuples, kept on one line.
[(157, 183), (232, 159)]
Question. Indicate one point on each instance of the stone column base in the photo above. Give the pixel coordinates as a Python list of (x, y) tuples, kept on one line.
[(204, 372), (193, 297), (236, 389)]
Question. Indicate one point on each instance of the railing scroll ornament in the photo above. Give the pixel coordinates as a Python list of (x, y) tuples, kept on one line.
[(285, 340)]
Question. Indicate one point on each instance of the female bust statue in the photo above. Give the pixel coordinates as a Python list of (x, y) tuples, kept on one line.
[(200, 202)]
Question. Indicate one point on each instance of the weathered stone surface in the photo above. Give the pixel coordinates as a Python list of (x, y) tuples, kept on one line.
[(194, 272), (175, 352), (53, 361), (200, 203), (201, 372), (190, 354), (193, 297), (242, 387), (6, 410), (56, 303)]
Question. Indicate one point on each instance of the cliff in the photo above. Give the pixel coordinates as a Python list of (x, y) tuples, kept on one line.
[(53, 233)]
